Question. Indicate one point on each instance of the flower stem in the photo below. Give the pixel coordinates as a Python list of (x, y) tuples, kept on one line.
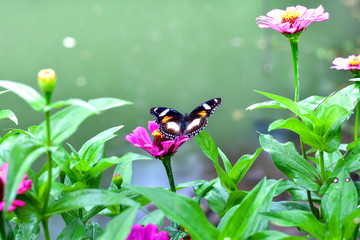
[(46, 229), (311, 203), (295, 53), (2, 226), (294, 43), (167, 164), (49, 161), (356, 121), (322, 166)]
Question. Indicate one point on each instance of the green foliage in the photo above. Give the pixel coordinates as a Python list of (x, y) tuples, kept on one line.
[(291, 163), (233, 174), (182, 210)]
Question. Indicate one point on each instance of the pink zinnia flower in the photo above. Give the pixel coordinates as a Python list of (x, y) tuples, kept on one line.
[(150, 232), (158, 147), (292, 20), (24, 186), (352, 62)]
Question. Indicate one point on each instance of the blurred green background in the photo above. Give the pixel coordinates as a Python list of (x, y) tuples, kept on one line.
[(174, 54)]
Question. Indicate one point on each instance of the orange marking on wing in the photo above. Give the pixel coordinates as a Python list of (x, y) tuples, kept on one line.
[(202, 113), (166, 119)]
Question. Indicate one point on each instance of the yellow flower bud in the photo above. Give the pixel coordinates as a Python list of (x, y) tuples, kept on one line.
[(47, 80)]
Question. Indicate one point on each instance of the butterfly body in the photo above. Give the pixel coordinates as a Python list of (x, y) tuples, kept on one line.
[(173, 124)]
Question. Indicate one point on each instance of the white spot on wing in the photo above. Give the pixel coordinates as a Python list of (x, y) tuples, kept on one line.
[(194, 123), (206, 106), (164, 113), (173, 126)]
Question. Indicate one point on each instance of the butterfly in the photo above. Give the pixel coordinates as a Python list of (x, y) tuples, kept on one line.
[(172, 123)]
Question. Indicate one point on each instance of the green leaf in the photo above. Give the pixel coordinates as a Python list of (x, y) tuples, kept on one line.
[(120, 226), (351, 225), (22, 154), (236, 222), (26, 133), (32, 97), (259, 223), (345, 97), (235, 198), (155, 217), (93, 230), (27, 231), (273, 235), (242, 166), (74, 231), (65, 122), (339, 201), (208, 146), (307, 136), (8, 114), (227, 163), (288, 160), (182, 210), (290, 205), (73, 102), (190, 184), (298, 218), (91, 149), (216, 196), (124, 167), (313, 101), (297, 108), (87, 198), (105, 163), (266, 104)]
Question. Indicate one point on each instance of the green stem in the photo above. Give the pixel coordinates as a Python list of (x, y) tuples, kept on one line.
[(311, 203), (46, 229), (322, 166), (92, 213), (295, 53), (167, 164), (295, 57), (2, 226), (356, 121), (49, 161)]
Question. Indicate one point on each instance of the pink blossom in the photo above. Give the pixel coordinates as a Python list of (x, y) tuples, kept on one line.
[(158, 147), (292, 20), (150, 232), (352, 62), (24, 186)]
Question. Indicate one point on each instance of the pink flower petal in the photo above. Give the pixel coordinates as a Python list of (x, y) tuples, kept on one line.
[(162, 236), (24, 186), (137, 233), (274, 20), (141, 138), (150, 231), (3, 172), (152, 126), (16, 203)]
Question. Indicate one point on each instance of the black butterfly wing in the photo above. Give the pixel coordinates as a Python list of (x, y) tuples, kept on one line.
[(197, 119), (170, 121)]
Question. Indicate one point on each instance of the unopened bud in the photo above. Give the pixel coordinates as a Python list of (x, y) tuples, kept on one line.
[(47, 80), (117, 180)]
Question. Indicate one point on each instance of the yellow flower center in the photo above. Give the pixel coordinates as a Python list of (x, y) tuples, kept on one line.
[(290, 16), (157, 134), (354, 62)]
